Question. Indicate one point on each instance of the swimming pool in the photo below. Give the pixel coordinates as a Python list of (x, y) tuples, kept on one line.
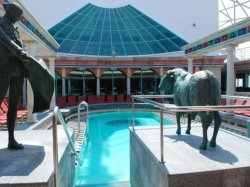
[(105, 157)]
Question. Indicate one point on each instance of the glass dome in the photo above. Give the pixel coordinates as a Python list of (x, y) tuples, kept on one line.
[(123, 31)]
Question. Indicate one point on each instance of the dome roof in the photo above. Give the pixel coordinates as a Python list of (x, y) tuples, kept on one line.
[(123, 31)]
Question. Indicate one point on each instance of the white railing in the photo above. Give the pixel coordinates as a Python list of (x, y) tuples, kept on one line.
[(85, 104), (57, 115), (174, 108)]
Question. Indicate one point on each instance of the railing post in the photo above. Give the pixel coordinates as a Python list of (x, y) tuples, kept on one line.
[(55, 148), (133, 114), (87, 117), (248, 129), (161, 136)]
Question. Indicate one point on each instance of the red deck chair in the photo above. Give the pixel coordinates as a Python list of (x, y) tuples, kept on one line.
[(61, 101), (71, 101), (110, 99), (120, 98), (101, 99), (159, 100), (2, 115), (241, 112), (91, 99), (223, 101), (4, 107), (81, 98), (128, 99)]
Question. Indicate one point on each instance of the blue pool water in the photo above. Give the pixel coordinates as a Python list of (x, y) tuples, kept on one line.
[(106, 155)]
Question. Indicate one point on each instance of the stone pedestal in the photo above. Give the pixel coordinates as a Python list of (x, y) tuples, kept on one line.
[(33, 165)]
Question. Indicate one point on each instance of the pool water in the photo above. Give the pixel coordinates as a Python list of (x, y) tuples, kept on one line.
[(105, 157)]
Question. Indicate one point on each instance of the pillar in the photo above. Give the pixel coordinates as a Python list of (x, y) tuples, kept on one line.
[(190, 65), (230, 72), (31, 118), (63, 82), (128, 86), (52, 71), (97, 86)]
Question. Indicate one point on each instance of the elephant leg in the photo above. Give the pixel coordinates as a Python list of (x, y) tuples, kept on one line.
[(14, 94), (217, 122), (189, 124), (178, 120), (205, 125)]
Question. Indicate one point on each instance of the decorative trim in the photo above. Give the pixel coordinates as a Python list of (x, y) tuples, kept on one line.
[(32, 28), (232, 35)]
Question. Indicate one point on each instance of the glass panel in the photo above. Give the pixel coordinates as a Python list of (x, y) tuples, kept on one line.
[(130, 49), (76, 21), (143, 21), (66, 46), (178, 41), (105, 50), (145, 35), (135, 36), (84, 10), (112, 14), (75, 34), (107, 14), (106, 24), (99, 24), (86, 35), (114, 26), (56, 28), (92, 23), (84, 22), (106, 37), (169, 46), (116, 37), (119, 49), (64, 32), (70, 18), (102, 13), (150, 21), (59, 40), (96, 36), (92, 48), (143, 48), (164, 31), (79, 48), (156, 47), (156, 34), (125, 36), (128, 24), (120, 24)]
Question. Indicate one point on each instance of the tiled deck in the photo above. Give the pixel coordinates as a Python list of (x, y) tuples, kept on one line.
[(185, 165)]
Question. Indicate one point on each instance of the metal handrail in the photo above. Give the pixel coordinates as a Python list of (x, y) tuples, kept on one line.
[(174, 108), (58, 115), (87, 121)]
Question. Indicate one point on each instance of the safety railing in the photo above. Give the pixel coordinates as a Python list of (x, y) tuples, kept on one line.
[(174, 108), (58, 115), (79, 108)]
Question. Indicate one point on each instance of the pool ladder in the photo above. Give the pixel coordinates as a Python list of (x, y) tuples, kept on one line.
[(58, 115), (86, 106)]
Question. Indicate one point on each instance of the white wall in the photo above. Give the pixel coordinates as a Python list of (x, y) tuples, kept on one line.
[(177, 15)]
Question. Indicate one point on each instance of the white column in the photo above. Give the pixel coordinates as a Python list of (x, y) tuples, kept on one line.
[(24, 93), (63, 86), (190, 65), (52, 71), (97, 86), (31, 118), (128, 86), (230, 72)]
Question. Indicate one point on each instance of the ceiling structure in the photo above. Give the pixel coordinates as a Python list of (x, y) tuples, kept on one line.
[(124, 31)]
